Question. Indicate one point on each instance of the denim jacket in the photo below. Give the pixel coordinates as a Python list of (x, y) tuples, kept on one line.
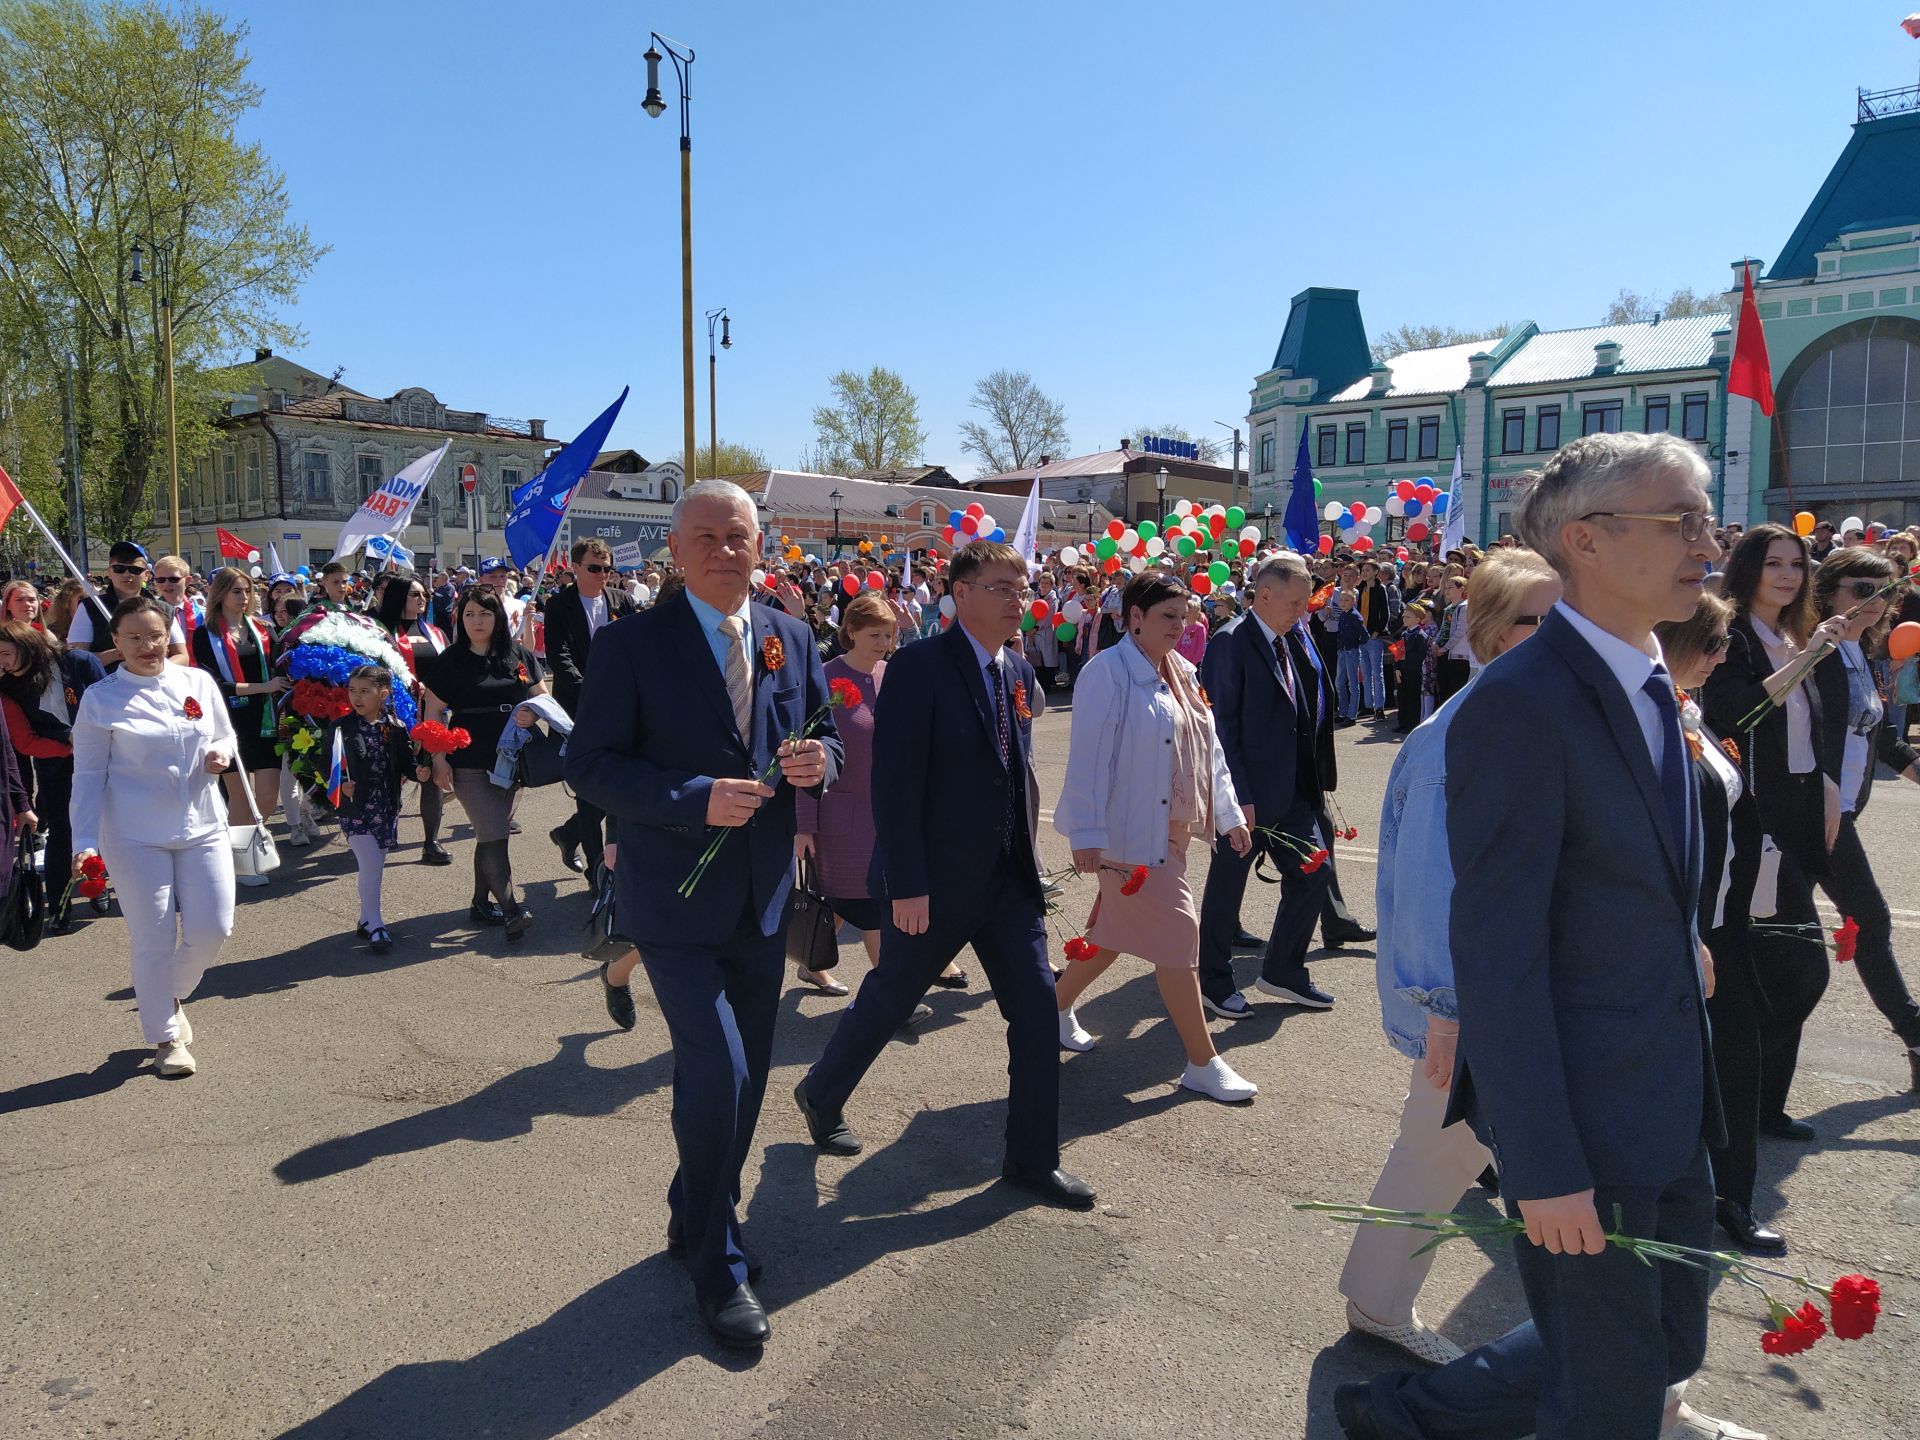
[(1415, 966)]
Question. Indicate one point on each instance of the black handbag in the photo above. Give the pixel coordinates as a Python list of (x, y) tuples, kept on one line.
[(23, 914), (812, 939), (542, 760), (604, 941)]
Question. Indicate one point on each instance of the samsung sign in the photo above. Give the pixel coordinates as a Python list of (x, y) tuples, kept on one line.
[(1178, 449)]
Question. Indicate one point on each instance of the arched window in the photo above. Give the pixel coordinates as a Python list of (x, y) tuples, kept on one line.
[(1848, 411)]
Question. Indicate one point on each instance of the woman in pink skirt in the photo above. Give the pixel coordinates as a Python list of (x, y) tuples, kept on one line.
[(1144, 774)]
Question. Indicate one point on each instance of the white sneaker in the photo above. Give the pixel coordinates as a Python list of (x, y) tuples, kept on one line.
[(1216, 1079), (1690, 1424), (298, 837), (1426, 1345), (185, 1027), (1072, 1037), (171, 1057), (252, 882)]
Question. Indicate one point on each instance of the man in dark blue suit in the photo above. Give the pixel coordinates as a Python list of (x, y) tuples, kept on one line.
[(1263, 713), (685, 706), (1584, 1062), (954, 854)]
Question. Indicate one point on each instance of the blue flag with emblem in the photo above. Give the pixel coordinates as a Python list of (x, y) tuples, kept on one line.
[(1302, 519), (541, 504)]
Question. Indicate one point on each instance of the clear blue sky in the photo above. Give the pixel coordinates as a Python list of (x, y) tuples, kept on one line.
[(1118, 198)]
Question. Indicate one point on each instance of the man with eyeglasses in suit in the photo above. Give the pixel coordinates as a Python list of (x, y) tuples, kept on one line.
[(574, 616)]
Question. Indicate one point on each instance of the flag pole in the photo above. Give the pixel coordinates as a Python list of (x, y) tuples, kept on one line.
[(34, 515)]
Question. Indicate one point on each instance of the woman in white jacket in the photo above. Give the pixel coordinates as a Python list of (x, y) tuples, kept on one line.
[(149, 745), (1144, 773)]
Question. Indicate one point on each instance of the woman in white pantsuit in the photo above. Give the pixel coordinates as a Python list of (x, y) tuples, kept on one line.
[(149, 745)]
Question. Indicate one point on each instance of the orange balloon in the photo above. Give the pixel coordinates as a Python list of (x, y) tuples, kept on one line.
[(1803, 522), (1903, 641)]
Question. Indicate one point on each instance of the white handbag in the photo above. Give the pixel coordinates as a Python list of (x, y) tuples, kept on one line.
[(254, 852)]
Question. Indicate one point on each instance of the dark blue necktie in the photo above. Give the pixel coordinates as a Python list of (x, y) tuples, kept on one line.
[(1673, 758)]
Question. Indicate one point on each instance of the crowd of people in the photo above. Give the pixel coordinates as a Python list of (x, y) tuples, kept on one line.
[(1635, 743)]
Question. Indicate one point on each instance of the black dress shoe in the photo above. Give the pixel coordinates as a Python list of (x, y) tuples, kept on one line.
[(830, 1132), (434, 853), (739, 1320), (519, 922), (1748, 1233), (619, 1000), (1489, 1180), (1785, 1127), (1247, 940), (1056, 1187), (677, 1250), (569, 849), (951, 982), (1353, 1409), (486, 914), (1348, 935)]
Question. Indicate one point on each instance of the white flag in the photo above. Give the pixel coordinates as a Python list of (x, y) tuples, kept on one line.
[(1455, 533), (1029, 526), (274, 567), (388, 509)]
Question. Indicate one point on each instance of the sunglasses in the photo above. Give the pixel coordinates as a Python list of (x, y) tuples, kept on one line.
[(1714, 644), (169, 579), (1862, 589), (128, 569), (596, 569)]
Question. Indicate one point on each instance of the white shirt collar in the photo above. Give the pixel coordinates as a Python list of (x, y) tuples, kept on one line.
[(1273, 636), (1630, 665)]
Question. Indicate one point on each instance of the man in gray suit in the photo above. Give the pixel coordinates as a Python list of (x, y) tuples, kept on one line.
[(1584, 1061)]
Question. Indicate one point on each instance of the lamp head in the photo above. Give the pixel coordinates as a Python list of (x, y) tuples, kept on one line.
[(726, 332), (136, 276), (653, 104)]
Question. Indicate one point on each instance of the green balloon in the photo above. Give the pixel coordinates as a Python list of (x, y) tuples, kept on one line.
[(1236, 517), (1219, 573), (1185, 545), (1026, 623), (1065, 630), (1146, 529), (1107, 546), (1316, 489)]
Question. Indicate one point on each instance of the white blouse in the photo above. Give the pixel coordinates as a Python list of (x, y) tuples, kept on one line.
[(140, 759), (1800, 756)]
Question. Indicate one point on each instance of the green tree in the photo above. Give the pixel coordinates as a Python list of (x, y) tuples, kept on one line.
[(1022, 423), (1403, 338), (872, 424), (118, 124), (732, 460), (1630, 307), (1210, 449)]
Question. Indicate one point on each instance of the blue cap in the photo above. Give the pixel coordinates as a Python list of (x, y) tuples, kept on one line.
[(492, 563), (280, 577)]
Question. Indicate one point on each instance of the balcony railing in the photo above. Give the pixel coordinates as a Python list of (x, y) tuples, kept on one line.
[(1881, 104)]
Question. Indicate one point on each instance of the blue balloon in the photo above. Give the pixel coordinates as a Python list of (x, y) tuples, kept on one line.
[(1424, 480), (1346, 520), (302, 572), (954, 517), (999, 536), (1440, 504)]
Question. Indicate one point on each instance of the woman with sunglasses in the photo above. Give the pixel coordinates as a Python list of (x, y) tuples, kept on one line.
[(1770, 584), (1853, 586)]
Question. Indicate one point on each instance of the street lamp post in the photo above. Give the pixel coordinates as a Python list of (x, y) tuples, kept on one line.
[(835, 497), (654, 105), (163, 263), (713, 382), (1160, 484), (1267, 533)]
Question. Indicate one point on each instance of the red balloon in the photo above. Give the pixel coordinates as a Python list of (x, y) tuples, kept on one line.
[(850, 584), (1201, 582), (976, 509), (1401, 553), (1404, 489), (1110, 564), (1417, 530), (1041, 610), (1246, 548), (1326, 544), (1358, 509), (1218, 526), (1116, 528), (1424, 493), (1363, 544), (876, 580)]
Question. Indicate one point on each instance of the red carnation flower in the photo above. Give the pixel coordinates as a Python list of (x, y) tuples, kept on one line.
[(1350, 833), (192, 707), (843, 694), (1797, 1331), (93, 887), (94, 868), (1846, 940), (1131, 885), (1856, 1305), (1081, 948)]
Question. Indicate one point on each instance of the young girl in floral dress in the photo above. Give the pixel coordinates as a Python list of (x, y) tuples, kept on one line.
[(376, 759)]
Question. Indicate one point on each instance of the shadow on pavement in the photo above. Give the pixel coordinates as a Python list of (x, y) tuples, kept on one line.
[(563, 1085), (1835, 1126), (110, 1074)]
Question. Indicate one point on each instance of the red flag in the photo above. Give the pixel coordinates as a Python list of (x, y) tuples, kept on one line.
[(232, 547), (1912, 25), (1750, 374), (10, 496)]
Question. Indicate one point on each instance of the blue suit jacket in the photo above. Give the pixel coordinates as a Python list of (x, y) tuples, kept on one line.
[(1268, 743), (655, 730), (1584, 1055), (939, 789)]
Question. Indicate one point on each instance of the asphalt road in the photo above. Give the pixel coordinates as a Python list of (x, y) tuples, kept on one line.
[(421, 1195)]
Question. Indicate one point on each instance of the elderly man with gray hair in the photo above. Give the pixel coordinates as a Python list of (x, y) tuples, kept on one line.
[(1584, 1062)]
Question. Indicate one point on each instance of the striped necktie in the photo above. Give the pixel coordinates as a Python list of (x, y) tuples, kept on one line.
[(739, 678)]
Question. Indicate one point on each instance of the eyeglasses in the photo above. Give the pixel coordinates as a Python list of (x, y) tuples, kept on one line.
[(169, 579), (1714, 644), (596, 569), (1005, 592), (1693, 523), (128, 569)]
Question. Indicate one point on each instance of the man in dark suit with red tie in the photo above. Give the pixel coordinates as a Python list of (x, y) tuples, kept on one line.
[(686, 705), (954, 859)]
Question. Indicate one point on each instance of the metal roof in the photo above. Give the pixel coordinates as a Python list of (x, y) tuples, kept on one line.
[(1439, 371), (1685, 343), (1876, 179)]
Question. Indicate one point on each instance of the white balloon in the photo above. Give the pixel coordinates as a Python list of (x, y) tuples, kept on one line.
[(1129, 538), (1155, 545), (256, 571), (1069, 557), (1334, 510), (1136, 563), (759, 577), (947, 607), (1373, 515), (1251, 532), (1395, 505), (1075, 611), (1852, 522), (253, 557), (1361, 527)]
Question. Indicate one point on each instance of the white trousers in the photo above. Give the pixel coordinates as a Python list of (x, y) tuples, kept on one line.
[(171, 952), (1428, 1169)]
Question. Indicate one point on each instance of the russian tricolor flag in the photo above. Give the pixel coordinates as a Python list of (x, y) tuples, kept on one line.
[(336, 770)]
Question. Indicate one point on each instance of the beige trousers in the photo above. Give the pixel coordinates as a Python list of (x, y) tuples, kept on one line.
[(1428, 1169)]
